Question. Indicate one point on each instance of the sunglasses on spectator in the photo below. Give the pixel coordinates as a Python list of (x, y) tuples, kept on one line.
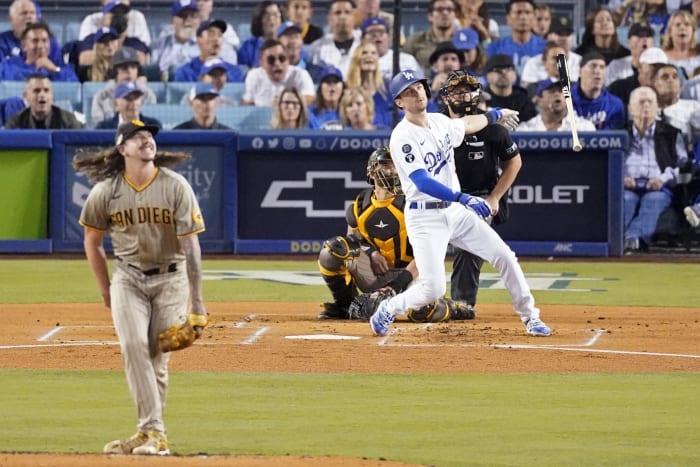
[(271, 59)]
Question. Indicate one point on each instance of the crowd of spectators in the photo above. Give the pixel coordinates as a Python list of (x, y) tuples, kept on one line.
[(335, 75)]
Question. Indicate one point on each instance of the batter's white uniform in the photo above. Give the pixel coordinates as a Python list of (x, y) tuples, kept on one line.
[(149, 288), (432, 224)]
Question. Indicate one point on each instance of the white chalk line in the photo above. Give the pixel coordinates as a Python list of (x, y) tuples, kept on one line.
[(383, 341)]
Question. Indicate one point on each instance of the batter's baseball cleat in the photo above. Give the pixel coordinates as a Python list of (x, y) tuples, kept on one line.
[(535, 327), (692, 214), (381, 319), (157, 445), (127, 445)]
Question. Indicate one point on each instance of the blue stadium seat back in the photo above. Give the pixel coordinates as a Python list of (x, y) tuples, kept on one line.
[(168, 114), (622, 32), (160, 90), (71, 31), (11, 89), (233, 91), (243, 31), (175, 91), (245, 117), (68, 91), (90, 88), (57, 31)]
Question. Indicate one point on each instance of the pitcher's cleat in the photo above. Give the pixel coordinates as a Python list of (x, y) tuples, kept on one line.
[(126, 446), (157, 445)]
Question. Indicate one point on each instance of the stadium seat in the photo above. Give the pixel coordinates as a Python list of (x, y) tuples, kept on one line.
[(90, 88), (245, 117), (233, 91), (168, 114), (175, 91)]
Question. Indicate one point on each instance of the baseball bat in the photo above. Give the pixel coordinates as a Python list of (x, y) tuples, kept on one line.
[(565, 82)]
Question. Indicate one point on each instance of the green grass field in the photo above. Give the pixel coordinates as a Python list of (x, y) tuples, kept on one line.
[(443, 420)]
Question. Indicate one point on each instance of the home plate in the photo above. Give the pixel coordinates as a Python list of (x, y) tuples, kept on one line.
[(323, 337)]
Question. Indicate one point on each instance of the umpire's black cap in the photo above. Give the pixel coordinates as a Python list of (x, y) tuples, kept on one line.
[(129, 129)]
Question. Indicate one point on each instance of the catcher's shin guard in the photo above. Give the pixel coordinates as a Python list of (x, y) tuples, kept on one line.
[(342, 292)]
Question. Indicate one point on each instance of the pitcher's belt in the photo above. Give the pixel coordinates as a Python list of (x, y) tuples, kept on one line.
[(172, 267)]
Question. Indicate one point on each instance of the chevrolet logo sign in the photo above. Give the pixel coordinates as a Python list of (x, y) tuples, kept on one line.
[(274, 193)]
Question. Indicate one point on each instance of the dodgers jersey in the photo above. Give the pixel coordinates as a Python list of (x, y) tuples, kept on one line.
[(144, 222), (415, 147)]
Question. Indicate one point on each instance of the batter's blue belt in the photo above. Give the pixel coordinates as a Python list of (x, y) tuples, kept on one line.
[(429, 204), (172, 267)]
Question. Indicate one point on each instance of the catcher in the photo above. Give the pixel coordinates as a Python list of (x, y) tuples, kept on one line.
[(375, 255), (155, 292)]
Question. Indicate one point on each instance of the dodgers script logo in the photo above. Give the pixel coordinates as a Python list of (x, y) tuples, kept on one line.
[(435, 161)]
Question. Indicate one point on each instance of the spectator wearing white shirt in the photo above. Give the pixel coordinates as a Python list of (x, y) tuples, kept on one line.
[(676, 111), (336, 47), (172, 50), (376, 31), (264, 83), (561, 33), (553, 115)]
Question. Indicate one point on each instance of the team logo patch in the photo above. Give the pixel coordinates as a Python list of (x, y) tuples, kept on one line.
[(410, 158), (512, 148), (197, 216), (406, 148)]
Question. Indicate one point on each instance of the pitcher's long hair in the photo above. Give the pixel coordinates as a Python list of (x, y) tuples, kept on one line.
[(98, 166)]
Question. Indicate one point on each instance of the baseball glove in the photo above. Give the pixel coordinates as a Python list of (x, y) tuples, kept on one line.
[(364, 305), (444, 309), (181, 336)]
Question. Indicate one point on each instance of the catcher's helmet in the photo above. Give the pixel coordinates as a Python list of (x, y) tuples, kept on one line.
[(403, 79), (461, 106), (378, 170)]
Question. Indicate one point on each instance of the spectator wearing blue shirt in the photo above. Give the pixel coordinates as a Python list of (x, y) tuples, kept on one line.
[(591, 99), (522, 43), (324, 113), (36, 46), (23, 13), (266, 19), (210, 39)]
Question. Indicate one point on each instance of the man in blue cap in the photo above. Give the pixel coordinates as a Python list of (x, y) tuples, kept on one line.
[(210, 41), (203, 100), (376, 30), (128, 98)]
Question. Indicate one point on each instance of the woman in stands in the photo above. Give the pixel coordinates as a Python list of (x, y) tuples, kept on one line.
[(357, 110), (600, 35), (681, 42), (324, 113), (267, 17), (364, 72), (290, 111), (106, 44), (475, 14)]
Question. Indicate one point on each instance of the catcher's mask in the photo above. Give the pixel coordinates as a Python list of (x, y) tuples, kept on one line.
[(465, 100), (381, 168)]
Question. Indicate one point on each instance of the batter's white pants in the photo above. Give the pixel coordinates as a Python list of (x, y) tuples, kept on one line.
[(431, 230)]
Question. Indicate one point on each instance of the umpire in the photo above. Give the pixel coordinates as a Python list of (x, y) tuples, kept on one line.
[(487, 163)]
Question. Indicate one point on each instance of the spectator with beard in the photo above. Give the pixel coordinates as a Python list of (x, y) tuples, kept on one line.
[(553, 114), (501, 78), (172, 50), (41, 114), (264, 83)]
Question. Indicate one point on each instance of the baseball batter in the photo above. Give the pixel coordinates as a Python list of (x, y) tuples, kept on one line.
[(152, 217), (422, 146)]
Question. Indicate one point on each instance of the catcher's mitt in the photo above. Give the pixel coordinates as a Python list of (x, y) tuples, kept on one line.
[(364, 305), (181, 336), (444, 309)]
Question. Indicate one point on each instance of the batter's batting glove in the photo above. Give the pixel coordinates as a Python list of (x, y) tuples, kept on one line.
[(476, 204), (505, 117)]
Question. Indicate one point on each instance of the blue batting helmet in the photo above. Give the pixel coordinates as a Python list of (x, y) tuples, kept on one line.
[(403, 79)]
